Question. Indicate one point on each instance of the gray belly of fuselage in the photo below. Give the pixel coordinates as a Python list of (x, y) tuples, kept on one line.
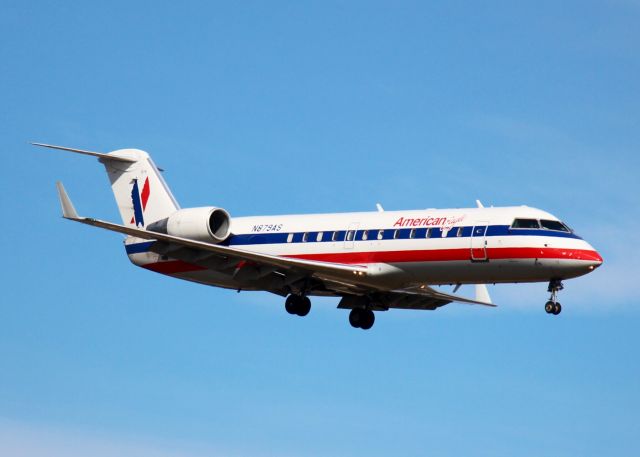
[(390, 276)]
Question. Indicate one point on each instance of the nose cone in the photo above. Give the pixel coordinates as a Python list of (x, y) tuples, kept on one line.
[(592, 258)]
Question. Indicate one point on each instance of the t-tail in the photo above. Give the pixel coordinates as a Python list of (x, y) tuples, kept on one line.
[(141, 193)]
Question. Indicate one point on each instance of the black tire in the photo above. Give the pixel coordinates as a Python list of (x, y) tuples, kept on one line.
[(557, 309), (304, 306), (368, 319), (355, 317), (549, 307), (291, 303)]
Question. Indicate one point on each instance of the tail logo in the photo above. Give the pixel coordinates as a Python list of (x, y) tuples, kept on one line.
[(139, 200)]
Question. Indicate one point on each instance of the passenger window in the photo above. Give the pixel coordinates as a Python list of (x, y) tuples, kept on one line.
[(305, 237), (459, 232), (412, 233), (290, 238), (525, 224), (554, 225), (334, 237), (319, 237), (429, 233), (365, 235), (350, 235)]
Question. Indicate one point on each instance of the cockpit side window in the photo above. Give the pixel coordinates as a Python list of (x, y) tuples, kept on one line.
[(525, 224), (554, 225)]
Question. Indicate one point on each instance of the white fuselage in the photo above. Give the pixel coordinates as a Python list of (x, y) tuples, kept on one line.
[(400, 248)]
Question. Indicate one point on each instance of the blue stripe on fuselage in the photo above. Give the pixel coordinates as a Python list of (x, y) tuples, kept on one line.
[(372, 235), (388, 234), (137, 248)]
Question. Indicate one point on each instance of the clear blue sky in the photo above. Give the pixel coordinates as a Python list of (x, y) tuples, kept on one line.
[(271, 107)]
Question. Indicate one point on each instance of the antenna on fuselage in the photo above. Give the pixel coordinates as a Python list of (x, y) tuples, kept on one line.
[(479, 203), (380, 208)]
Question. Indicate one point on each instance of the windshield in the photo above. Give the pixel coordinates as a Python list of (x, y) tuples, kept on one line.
[(554, 225), (525, 224)]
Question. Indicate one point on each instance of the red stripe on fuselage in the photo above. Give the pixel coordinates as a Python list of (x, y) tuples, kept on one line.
[(431, 255), (444, 255)]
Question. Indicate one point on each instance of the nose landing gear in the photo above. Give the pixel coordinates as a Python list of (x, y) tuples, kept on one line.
[(553, 306)]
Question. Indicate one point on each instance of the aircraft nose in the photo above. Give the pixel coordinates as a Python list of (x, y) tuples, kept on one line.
[(593, 257)]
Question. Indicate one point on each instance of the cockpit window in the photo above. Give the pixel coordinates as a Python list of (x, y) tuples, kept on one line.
[(525, 224), (554, 225)]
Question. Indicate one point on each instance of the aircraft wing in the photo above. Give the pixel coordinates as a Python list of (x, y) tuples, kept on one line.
[(425, 297), (70, 213), (337, 278)]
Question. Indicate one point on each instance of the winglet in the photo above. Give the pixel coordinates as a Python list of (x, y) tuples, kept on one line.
[(68, 211), (482, 294)]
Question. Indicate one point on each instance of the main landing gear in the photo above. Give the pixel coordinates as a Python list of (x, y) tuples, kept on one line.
[(298, 304), (553, 306), (361, 318)]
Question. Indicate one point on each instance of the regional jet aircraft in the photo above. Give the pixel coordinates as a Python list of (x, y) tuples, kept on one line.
[(373, 261)]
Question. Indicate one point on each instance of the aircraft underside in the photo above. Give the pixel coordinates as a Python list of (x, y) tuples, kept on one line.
[(404, 275)]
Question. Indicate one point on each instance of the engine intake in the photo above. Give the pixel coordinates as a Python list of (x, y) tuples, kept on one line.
[(208, 224)]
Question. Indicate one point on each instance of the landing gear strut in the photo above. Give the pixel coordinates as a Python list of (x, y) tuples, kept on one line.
[(298, 304), (361, 318), (553, 306)]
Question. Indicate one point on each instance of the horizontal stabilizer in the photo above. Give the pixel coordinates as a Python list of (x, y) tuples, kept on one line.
[(100, 155)]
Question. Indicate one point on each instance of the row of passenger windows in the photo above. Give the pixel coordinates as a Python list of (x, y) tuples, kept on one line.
[(364, 235), (542, 223), (394, 234)]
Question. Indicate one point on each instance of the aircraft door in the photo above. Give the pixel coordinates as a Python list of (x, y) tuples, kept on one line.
[(479, 241), (350, 236)]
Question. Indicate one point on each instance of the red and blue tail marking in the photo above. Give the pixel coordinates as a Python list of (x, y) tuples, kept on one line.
[(139, 200)]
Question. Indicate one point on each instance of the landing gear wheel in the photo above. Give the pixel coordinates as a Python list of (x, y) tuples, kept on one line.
[(290, 304), (549, 307), (355, 317), (304, 306), (369, 319), (552, 306), (297, 304), (361, 318)]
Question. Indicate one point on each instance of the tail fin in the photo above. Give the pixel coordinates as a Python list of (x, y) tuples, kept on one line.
[(141, 193)]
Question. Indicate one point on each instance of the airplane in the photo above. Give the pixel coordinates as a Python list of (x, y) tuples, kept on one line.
[(372, 261)]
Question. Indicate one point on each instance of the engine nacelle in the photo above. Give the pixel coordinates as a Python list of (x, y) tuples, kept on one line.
[(208, 224)]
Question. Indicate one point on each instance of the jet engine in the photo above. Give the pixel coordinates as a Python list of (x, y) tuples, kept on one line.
[(209, 224)]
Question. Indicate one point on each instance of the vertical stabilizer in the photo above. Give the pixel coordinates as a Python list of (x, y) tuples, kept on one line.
[(141, 193)]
